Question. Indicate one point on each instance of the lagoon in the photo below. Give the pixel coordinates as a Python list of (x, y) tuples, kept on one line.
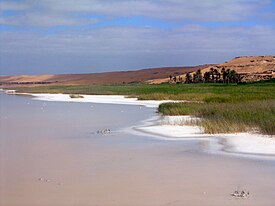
[(51, 154)]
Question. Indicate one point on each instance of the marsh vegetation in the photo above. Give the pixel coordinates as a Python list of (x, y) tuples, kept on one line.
[(224, 107), (228, 117)]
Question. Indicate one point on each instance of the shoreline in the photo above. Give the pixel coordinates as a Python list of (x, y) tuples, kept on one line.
[(244, 144), (103, 99), (176, 128)]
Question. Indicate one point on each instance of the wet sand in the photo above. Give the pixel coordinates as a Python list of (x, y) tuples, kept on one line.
[(58, 142)]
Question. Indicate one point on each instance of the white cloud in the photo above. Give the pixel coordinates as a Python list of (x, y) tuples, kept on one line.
[(36, 19), (110, 40), (211, 10), (14, 6), (131, 46), (170, 10)]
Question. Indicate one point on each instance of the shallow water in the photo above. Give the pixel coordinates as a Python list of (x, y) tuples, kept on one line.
[(51, 154)]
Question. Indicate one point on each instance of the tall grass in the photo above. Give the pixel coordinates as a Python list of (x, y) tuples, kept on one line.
[(228, 117)]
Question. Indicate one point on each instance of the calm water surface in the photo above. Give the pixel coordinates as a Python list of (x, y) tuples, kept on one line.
[(58, 142)]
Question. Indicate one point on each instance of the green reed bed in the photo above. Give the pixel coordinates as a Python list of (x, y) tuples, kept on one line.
[(228, 117)]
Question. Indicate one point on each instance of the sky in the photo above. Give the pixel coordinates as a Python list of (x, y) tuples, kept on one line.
[(87, 36)]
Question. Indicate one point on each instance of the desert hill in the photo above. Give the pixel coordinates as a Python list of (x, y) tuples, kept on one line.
[(251, 68), (251, 64), (99, 78)]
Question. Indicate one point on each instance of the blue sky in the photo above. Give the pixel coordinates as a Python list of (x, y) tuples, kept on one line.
[(84, 36)]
